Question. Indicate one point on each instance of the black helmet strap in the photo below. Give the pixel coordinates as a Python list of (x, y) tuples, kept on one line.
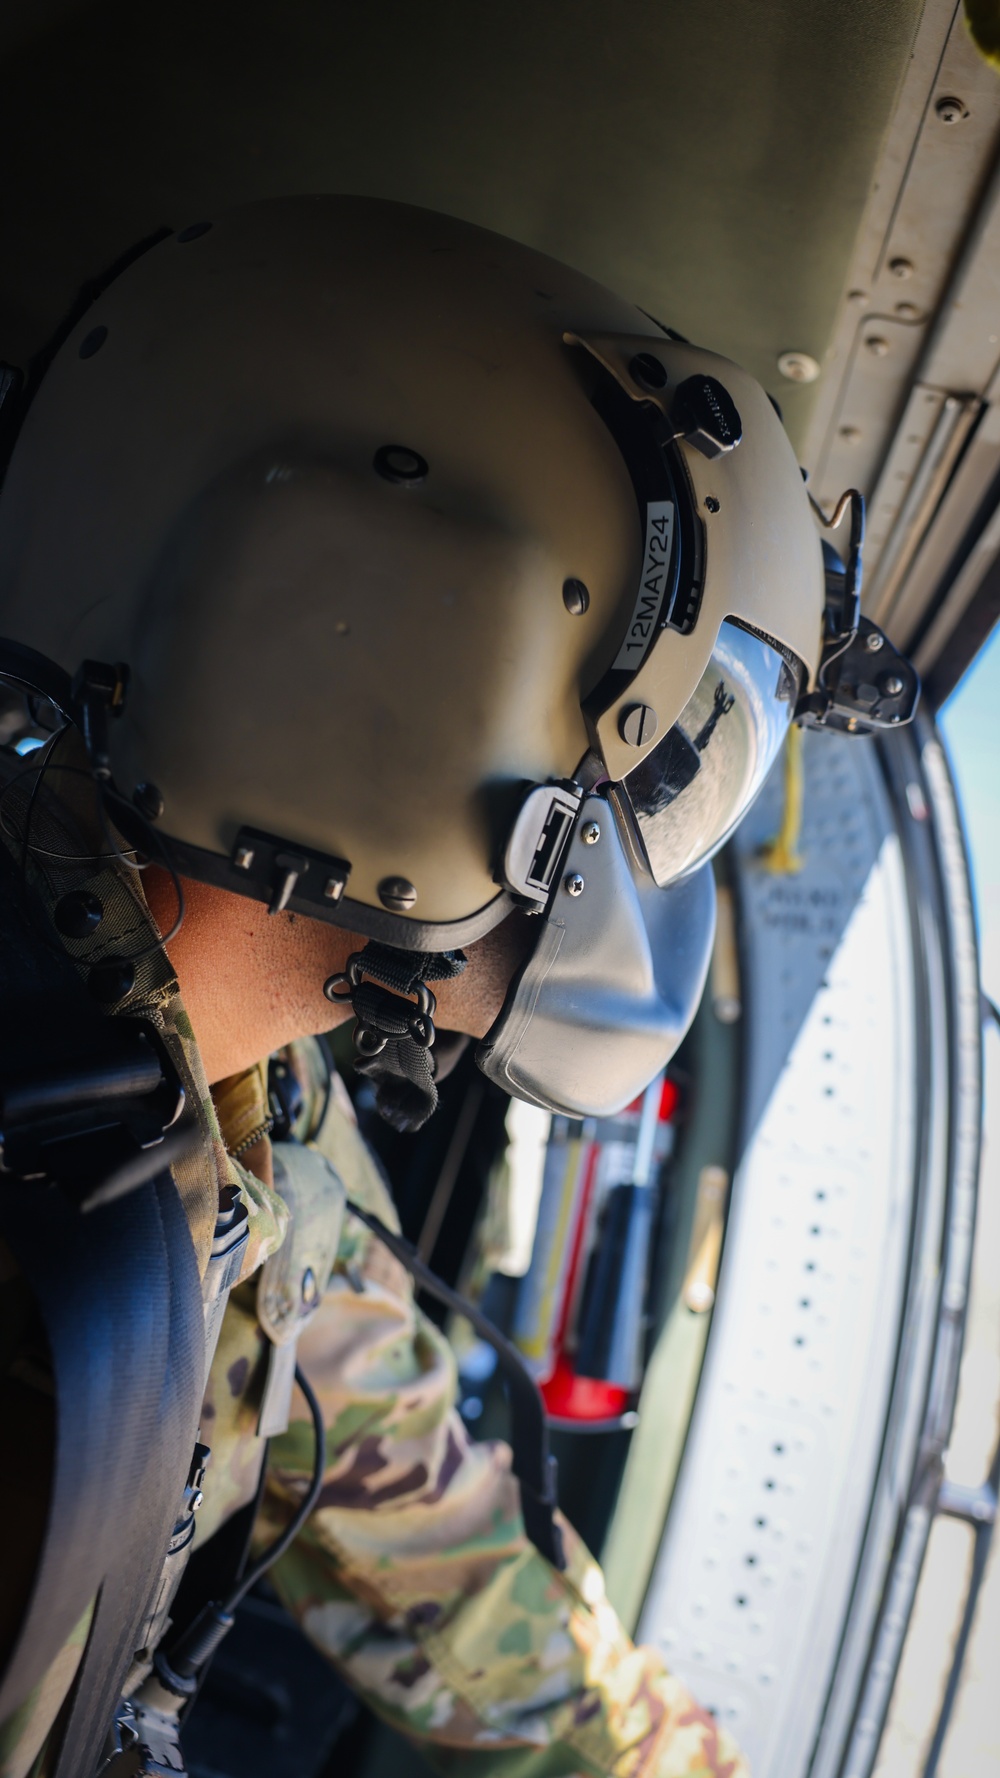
[(394, 1036)]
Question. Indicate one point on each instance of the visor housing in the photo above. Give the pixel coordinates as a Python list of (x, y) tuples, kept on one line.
[(612, 983)]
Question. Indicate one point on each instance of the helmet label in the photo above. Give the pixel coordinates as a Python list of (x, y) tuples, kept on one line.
[(653, 583)]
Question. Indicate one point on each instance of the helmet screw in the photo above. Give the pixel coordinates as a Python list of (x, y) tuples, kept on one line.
[(112, 981), (78, 914), (874, 641), (711, 503), (590, 834), (798, 367), (574, 884), (397, 463), (93, 342), (396, 894), (891, 684), (647, 371), (148, 800), (576, 598), (637, 725), (951, 110)]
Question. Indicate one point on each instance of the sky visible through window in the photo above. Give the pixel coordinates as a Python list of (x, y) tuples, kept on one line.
[(971, 724)]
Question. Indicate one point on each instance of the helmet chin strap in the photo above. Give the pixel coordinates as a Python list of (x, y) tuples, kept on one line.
[(394, 1038)]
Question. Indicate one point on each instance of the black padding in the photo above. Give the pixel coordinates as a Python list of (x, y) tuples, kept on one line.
[(119, 1296), (35, 673), (48, 1017)]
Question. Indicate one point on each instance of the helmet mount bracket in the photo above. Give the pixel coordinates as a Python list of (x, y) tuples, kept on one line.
[(864, 684)]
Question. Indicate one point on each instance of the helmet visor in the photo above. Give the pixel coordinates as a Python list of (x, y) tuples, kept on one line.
[(687, 795)]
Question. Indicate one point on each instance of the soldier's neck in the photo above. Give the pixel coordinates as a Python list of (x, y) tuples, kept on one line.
[(250, 981)]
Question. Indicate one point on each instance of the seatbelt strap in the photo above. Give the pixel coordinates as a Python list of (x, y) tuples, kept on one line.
[(119, 1296)]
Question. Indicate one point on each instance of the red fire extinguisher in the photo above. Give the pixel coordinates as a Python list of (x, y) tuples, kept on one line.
[(580, 1314)]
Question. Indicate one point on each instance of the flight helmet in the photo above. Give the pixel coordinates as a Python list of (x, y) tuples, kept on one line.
[(407, 578)]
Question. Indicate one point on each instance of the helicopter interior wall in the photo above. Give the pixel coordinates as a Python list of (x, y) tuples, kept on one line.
[(794, 922), (713, 162), (866, 1158), (977, 622)]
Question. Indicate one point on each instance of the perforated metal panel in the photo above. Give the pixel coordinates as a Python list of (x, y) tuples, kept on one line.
[(752, 1584)]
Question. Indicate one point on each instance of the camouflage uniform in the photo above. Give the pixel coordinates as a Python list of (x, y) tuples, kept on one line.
[(414, 1575)]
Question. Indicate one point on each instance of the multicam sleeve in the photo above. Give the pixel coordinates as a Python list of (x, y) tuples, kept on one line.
[(415, 1577)]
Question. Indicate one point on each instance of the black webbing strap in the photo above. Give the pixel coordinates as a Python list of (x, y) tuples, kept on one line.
[(533, 1465), (394, 1037), (119, 1297)]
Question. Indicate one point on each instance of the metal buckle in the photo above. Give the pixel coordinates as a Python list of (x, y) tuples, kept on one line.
[(368, 1042)]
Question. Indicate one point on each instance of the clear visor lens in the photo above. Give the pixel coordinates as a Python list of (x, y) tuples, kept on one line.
[(686, 796)]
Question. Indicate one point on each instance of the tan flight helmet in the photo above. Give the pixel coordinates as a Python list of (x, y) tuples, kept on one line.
[(411, 539)]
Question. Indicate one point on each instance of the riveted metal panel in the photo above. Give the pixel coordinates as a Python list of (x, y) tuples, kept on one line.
[(756, 1569)]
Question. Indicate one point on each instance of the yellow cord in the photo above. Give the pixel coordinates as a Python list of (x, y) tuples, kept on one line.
[(781, 855), (983, 20)]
